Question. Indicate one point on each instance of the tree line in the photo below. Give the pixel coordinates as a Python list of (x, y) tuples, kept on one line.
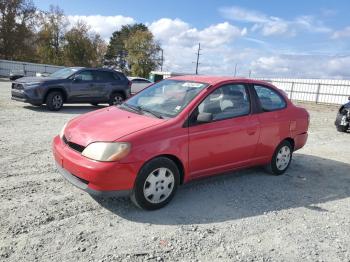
[(32, 35)]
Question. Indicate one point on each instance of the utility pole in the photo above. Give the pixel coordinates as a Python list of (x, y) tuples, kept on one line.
[(198, 54), (250, 73), (162, 60), (235, 69)]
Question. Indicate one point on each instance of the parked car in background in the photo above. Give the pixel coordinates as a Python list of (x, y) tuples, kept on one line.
[(138, 84), (177, 130), (342, 121), (16, 74), (73, 85)]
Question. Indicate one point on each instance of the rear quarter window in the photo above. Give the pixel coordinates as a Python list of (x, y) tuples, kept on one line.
[(270, 99)]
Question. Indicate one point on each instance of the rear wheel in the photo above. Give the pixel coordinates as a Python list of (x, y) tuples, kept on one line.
[(156, 184), (116, 99), (54, 101), (281, 159)]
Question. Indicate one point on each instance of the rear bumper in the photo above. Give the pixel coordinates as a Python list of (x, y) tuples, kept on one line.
[(93, 176), (300, 140)]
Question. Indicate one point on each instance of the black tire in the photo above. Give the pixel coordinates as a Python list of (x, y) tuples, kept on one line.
[(276, 168), (141, 183), (342, 128), (94, 104), (54, 101), (116, 99)]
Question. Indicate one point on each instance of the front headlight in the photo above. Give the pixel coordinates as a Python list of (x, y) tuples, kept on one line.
[(62, 131), (30, 85), (107, 151)]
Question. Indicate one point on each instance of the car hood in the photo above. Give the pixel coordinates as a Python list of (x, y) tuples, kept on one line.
[(35, 79), (108, 124)]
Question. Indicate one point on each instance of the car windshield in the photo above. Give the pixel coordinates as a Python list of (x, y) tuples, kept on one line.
[(166, 98), (64, 73)]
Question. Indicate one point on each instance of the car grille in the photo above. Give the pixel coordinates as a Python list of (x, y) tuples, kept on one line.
[(73, 146), (17, 86)]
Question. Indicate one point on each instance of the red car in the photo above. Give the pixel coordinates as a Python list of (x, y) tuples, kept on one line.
[(180, 129)]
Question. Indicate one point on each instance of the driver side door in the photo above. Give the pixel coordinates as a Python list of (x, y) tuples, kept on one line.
[(82, 86), (230, 139)]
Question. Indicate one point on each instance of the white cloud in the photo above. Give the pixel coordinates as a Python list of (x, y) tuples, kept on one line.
[(271, 25), (104, 25), (179, 41), (178, 32), (342, 33), (301, 66)]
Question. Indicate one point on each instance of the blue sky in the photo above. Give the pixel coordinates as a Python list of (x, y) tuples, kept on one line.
[(268, 38)]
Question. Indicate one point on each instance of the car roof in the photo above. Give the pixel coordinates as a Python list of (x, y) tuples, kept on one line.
[(97, 69), (212, 80)]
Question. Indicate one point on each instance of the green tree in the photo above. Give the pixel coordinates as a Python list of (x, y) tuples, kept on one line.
[(81, 47), (17, 23), (50, 38), (116, 53), (143, 53), (100, 48)]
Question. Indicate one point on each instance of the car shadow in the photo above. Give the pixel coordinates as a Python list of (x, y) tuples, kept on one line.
[(310, 181), (69, 109)]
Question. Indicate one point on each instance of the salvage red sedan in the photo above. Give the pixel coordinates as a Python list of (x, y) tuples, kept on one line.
[(177, 130)]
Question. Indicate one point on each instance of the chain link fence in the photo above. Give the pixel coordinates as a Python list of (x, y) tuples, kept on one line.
[(326, 91), (24, 68)]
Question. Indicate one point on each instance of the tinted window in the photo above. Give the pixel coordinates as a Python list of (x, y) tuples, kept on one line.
[(226, 102), (270, 100), (104, 76), (118, 76), (86, 75)]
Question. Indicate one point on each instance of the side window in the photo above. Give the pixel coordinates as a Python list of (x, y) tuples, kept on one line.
[(270, 100), (140, 81), (104, 76), (226, 102), (86, 76)]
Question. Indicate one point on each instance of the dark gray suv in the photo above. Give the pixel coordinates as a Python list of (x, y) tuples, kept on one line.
[(73, 85)]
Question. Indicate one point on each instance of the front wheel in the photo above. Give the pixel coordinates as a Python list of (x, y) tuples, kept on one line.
[(156, 184), (281, 159), (54, 101)]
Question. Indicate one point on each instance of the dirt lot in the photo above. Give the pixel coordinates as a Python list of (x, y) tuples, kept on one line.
[(249, 215)]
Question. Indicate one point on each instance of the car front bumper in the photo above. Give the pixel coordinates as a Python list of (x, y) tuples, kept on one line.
[(94, 177), (23, 96)]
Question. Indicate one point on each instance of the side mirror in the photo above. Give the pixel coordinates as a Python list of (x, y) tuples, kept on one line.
[(204, 117), (77, 78)]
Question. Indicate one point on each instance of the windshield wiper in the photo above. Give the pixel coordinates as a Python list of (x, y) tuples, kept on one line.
[(134, 108), (150, 112)]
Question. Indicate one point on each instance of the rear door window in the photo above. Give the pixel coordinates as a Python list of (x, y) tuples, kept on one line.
[(86, 75), (104, 76), (269, 99)]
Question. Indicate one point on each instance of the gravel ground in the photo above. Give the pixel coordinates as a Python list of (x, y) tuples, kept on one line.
[(244, 216)]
